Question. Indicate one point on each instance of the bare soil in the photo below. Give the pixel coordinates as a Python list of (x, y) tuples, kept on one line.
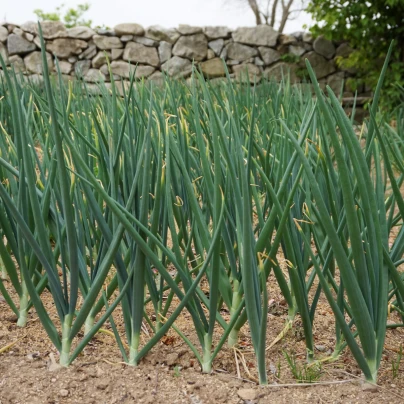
[(171, 374)]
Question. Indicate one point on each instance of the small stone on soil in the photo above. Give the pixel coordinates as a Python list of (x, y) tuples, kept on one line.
[(247, 394), (63, 393)]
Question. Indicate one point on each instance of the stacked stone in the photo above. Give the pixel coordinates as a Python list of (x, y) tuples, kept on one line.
[(83, 52)]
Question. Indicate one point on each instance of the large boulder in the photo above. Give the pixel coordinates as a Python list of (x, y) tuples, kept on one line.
[(85, 33), (216, 46), (100, 59), (141, 39), (177, 67), (281, 71), (321, 66), (159, 33), (237, 51), (268, 55), (50, 29), (247, 72), (138, 53), (33, 62), (165, 51), (89, 53), (17, 63), (324, 47), (82, 67), (261, 35), (3, 33), (94, 76), (17, 45), (191, 47), (216, 32), (336, 82), (66, 47), (297, 50), (185, 29), (213, 68), (129, 29), (125, 69), (107, 42), (65, 67)]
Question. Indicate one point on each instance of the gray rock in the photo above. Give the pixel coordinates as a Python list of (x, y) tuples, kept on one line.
[(281, 70), (185, 29), (324, 47), (177, 67), (100, 59), (80, 33), (72, 59), (107, 42), (213, 68), (223, 53), (344, 50), (285, 39), (159, 33), (240, 52), (125, 69), (320, 65), (210, 54), (336, 81), (17, 45), (66, 47), (258, 61), (94, 76), (65, 67), (164, 51), (37, 80), (16, 62), (145, 41), (247, 72), (296, 50), (216, 45), (28, 37), (307, 37), (261, 35), (106, 32), (231, 62), (33, 62), (18, 31), (116, 53), (82, 67), (129, 29), (157, 77), (50, 29), (191, 47), (217, 32), (3, 33), (37, 42), (127, 38), (138, 53), (268, 55), (3, 52), (89, 53)]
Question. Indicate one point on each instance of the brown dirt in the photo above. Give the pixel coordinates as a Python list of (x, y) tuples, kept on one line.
[(170, 373)]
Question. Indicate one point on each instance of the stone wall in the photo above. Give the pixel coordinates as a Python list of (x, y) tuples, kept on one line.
[(84, 51)]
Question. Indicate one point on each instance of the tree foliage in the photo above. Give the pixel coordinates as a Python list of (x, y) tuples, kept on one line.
[(369, 27), (72, 17)]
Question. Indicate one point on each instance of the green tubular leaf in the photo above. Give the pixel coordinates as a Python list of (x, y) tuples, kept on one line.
[(359, 308)]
